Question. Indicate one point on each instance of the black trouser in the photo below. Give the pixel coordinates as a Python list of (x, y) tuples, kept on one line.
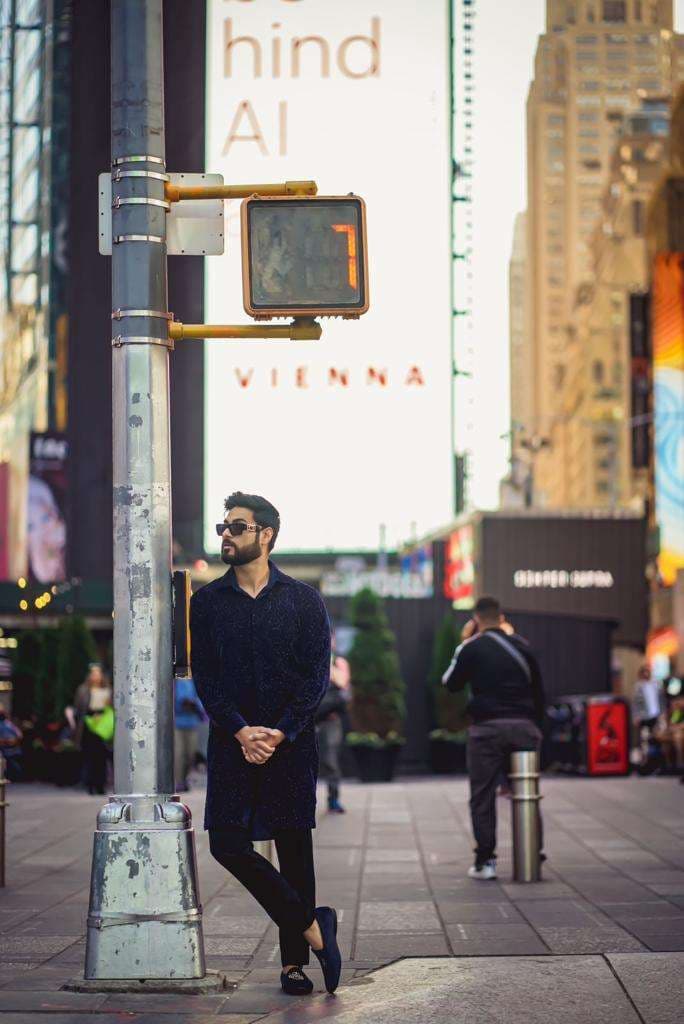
[(490, 745), (94, 761), (288, 896), (329, 744)]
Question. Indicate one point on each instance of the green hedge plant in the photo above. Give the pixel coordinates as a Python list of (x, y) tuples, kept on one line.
[(379, 702), (449, 708)]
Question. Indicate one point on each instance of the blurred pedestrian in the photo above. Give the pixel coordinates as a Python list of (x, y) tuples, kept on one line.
[(94, 727), (669, 733), (648, 715), (261, 664), (329, 728), (188, 712), (506, 711), (648, 703), (11, 746)]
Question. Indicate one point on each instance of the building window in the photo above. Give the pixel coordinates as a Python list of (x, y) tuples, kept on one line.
[(614, 10), (598, 371), (637, 10), (638, 217)]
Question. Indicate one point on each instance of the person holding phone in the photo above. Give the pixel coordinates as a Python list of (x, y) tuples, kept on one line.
[(506, 710)]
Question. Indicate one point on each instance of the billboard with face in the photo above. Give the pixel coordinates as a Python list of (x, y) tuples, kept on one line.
[(354, 431), (668, 400)]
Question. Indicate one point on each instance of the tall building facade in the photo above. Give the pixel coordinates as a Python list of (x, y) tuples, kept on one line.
[(34, 184), (55, 293), (595, 65), (606, 407)]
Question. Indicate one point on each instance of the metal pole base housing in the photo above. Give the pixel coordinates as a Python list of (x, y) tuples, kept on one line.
[(144, 918)]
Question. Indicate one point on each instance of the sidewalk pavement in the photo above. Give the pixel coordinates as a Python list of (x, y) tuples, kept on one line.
[(601, 938)]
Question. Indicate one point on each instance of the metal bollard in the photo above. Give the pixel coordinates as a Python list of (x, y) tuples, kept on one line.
[(525, 807), (3, 805)]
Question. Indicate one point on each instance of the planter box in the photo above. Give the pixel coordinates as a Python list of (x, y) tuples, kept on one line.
[(447, 757), (375, 764)]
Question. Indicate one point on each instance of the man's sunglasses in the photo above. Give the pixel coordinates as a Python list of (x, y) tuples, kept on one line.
[(236, 529)]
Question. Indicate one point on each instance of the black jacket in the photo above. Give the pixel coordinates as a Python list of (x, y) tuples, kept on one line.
[(499, 685), (260, 661)]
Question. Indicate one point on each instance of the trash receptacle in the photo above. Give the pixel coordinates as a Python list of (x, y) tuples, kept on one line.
[(607, 735)]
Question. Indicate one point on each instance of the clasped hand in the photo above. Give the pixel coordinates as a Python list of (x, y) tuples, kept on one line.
[(259, 742)]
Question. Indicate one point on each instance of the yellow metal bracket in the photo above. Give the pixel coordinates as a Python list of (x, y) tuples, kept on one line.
[(302, 328), (175, 193)]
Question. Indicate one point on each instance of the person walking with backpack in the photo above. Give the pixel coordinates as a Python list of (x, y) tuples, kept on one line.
[(506, 710)]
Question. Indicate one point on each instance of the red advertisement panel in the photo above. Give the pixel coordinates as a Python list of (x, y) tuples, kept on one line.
[(607, 725), (459, 570)]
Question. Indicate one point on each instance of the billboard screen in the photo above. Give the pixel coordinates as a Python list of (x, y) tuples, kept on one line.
[(459, 567), (668, 399), (591, 567), (47, 496), (352, 431)]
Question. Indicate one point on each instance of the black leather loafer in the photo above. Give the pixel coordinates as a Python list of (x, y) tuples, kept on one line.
[(329, 957), (295, 982)]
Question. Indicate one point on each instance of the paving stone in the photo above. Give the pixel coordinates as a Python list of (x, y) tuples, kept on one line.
[(32, 947), (649, 908), (494, 939), (220, 945), (402, 916), (135, 1002), (453, 912), (565, 990), (48, 1002), (614, 891), (655, 982), (589, 940), (663, 943), (40, 978), (391, 947), (389, 856), (537, 891), (257, 999), (220, 924), (561, 913)]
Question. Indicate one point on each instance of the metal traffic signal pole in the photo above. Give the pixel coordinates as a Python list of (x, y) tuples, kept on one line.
[(144, 919)]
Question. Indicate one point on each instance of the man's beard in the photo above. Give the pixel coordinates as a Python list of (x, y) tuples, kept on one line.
[(234, 556)]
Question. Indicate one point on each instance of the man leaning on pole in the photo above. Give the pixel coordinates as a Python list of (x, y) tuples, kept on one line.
[(506, 711)]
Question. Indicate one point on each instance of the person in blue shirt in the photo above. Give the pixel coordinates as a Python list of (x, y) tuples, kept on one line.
[(188, 712), (261, 665)]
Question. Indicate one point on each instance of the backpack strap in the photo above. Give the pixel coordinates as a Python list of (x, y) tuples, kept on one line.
[(512, 650)]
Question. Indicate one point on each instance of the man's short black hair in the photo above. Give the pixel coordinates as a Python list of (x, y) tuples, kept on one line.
[(265, 514), (488, 608)]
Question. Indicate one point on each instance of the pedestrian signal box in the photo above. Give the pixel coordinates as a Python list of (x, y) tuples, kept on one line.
[(304, 256)]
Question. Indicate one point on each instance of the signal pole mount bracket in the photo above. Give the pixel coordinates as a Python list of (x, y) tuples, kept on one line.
[(301, 328), (194, 227)]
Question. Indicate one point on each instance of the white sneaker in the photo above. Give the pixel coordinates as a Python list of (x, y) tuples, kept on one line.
[(484, 872)]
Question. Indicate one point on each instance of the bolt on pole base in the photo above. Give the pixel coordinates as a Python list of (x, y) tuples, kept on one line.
[(144, 858)]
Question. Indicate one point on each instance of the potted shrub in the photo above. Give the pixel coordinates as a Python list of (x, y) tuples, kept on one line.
[(448, 738), (378, 704)]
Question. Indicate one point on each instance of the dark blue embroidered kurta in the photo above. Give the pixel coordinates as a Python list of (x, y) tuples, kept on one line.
[(261, 661)]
